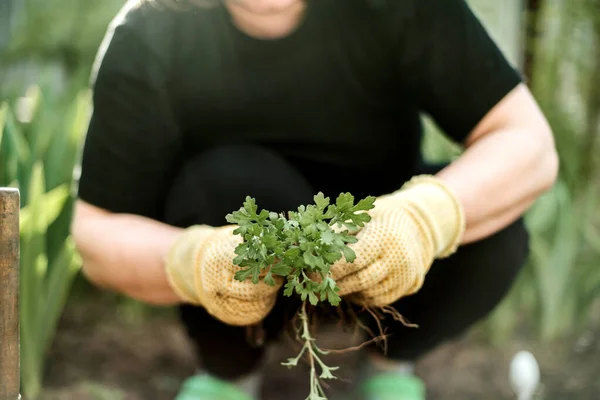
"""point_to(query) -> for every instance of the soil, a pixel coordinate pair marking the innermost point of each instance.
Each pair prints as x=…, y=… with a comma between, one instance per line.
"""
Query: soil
x=107, y=351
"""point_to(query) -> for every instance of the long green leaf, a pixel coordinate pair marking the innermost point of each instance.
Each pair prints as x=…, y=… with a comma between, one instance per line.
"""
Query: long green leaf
x=3, y=114
x=593, y=237
x=555, y=262
x=64, y=147
x=18, y=142
x=33, y=269
x=542, y=215
x=61, y=159
x=3, y=157
x=63, y=270
x=16, y=154
x=53, y=203
x=39, y=130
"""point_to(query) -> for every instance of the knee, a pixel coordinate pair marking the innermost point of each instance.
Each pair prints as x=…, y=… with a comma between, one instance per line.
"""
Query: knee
x=503, y=254
x=214, y=183
x=512, y=241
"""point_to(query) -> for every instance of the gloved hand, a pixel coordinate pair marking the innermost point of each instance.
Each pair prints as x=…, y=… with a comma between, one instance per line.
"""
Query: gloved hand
x=408, y=230
x=200, y=270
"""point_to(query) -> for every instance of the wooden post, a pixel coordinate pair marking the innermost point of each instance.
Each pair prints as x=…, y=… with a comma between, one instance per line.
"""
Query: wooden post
x=9, y=294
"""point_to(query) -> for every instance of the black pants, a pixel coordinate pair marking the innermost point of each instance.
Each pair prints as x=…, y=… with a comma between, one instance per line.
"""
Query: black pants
x=458, y=291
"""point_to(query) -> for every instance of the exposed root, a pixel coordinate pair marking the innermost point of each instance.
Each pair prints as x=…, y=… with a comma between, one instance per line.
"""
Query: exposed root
x=358, y=324
x=397, y=316
x=380, y=327
x=355, y=348
x=313, y=352
x=303, y=325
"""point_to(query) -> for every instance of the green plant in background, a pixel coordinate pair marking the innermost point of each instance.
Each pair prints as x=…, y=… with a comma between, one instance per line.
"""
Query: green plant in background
x=566, y=245
x=39, y=143
x=558, y=288
x=57, y=38
x=36, y=32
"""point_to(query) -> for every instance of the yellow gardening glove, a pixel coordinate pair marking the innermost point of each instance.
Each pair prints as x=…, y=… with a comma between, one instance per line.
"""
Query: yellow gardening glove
x=200, y=270
x=408, y=230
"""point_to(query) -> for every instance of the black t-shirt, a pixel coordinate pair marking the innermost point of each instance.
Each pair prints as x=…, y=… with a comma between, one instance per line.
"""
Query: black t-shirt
x=344, y=90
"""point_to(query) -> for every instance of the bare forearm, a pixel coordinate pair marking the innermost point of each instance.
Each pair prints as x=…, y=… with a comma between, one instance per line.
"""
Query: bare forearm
x=126, y=253
x=499, y=177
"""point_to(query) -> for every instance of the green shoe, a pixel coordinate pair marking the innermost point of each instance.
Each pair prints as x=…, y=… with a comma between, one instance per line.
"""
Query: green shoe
x=392, y=387
x=204, y=387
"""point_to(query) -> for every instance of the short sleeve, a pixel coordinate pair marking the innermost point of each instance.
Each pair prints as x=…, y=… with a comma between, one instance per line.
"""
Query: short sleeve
x=133, y=143
x=451, y=65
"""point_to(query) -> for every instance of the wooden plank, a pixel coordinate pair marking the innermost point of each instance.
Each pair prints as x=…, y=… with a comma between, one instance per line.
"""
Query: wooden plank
x=9, y=294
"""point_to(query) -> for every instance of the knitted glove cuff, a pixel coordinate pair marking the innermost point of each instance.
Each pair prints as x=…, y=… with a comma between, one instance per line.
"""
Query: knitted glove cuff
x=181, y=261
x=437, y=204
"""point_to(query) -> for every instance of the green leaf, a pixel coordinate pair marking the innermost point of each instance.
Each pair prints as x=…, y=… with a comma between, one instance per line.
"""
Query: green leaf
x=327, y=237
x=360, y=219
x=289, y=288
x=329, y=283
x=3, y=113
x=349, y=254
x=270, y=240
x=239, y=259
x=333, y=297
x=348, y=238
x=332, y=257
x=262, y=216
x=63, y=151
x=250, y=206
x=268, y=279
x=321, y=201
x=281, y=269
x=231, y=218
x=303, y=294
x=63, y=270
x=310, y=259
x=292, y=252
x=33, y=270
x=344, y=202
x=312, y=298
x=16, y=139
x=365, y=204
x=243, y=274
x=240, y=217
x=53, y=203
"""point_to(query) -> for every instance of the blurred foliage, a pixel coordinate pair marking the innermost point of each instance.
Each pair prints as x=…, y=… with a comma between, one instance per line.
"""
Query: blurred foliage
x=41, y=132
x=65, y=30
x=566, y=247
x=51, y=43
x=555, y=293
x=563, y=281
x=39, y=142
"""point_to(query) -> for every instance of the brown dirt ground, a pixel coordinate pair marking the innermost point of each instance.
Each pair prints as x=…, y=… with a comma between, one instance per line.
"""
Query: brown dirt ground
x=107, y=352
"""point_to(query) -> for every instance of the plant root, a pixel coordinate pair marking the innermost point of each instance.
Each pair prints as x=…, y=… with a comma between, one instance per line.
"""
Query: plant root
x=355, y=348
x=397, y=316
x=313, y=352
x=303, y=325
x=378, y=318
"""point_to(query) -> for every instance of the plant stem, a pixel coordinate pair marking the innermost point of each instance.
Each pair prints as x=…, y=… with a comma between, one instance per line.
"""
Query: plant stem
x=316, y=389
x=315, y=385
